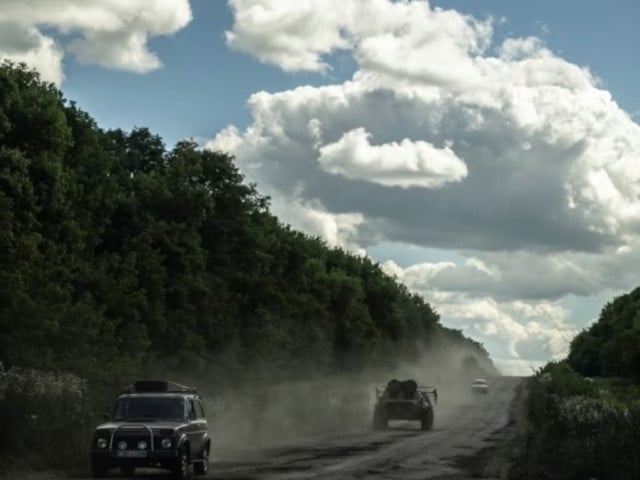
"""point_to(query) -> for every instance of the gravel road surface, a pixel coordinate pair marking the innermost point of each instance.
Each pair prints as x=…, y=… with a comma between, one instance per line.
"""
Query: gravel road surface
x=463, y=434
x=467, y=442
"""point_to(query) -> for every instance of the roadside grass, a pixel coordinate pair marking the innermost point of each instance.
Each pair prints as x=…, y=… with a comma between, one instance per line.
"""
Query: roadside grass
x=618, y=391
x=580, y=428
x=46, y=421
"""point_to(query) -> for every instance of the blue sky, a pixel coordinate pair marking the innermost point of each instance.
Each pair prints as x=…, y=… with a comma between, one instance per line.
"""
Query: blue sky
x=204, y=85
x=461, y=144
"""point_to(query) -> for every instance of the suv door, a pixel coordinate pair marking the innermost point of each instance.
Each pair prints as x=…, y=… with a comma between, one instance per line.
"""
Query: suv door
x=197, y=428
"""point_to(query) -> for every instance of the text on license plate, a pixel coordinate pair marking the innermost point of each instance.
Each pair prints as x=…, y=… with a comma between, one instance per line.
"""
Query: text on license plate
x=132, y=453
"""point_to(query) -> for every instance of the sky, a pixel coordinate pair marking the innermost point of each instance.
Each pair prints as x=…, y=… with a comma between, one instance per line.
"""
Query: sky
x=487, y=154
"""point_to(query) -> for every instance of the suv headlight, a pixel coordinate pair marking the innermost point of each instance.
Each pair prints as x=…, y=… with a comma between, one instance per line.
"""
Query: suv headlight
x=101, y=443
x=166, y=443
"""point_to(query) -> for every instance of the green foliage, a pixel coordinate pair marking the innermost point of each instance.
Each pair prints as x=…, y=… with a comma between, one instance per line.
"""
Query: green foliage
x=118, y=252
x=120, y=257
x=575, y=431
x=562, y=380
x=611, y=346
x=589, y=427
x=618, y=391
x=39, y=410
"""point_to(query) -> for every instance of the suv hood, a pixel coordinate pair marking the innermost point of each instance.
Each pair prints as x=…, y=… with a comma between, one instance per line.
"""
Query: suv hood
x=153, y=424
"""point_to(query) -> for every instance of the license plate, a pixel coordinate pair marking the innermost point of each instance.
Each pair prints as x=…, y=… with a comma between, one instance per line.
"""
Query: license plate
x=132, y=453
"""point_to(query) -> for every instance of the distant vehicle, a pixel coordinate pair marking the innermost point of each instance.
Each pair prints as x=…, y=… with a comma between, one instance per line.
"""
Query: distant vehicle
x=480, y=385
x=404, y=401
x=154, y=424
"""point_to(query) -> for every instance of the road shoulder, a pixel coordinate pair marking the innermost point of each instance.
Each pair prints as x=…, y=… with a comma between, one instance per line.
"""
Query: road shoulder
x=503, y=446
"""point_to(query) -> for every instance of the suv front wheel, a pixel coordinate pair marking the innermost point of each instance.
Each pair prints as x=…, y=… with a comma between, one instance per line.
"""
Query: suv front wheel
x=99, y=469
x=181, y=467
x=201, y=467
x=127, y=471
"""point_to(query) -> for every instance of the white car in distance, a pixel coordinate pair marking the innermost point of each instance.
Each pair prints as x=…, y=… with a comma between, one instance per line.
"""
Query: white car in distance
x=479, y=385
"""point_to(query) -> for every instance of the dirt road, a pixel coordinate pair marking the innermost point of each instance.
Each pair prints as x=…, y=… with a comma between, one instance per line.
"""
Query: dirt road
x=461, y=446
x=464, y=431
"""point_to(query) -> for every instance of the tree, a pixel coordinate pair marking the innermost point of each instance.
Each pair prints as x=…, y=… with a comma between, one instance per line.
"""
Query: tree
x=117, y=255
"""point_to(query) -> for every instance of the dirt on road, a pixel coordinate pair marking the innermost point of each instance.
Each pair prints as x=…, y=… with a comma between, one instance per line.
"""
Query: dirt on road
x=469, y=440
x=474, y=436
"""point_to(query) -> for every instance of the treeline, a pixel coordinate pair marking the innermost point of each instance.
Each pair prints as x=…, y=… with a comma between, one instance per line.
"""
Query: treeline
x=584, y=412
x=117, y=254
x=611, y=346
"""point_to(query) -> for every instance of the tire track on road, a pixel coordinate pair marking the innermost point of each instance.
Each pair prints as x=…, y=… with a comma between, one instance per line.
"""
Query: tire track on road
x=398, y=453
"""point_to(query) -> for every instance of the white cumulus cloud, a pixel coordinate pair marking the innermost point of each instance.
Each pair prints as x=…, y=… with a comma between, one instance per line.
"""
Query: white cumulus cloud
x=289, y=33
x=110, y=33
x=504, y=152
x=515, y=331
x=403, y=164
x=550, y=160
x=297, y=35
x=29, y=46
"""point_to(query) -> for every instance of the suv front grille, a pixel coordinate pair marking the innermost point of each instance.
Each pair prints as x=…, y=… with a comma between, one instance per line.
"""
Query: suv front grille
x=132, y=435
x=132, y=441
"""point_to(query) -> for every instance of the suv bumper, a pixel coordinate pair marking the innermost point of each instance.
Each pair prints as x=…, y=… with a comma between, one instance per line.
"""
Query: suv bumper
x=152, y=458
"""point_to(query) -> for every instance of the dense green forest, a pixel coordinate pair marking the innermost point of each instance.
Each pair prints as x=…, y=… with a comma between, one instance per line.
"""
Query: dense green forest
x=611, y=346
x=117, y=254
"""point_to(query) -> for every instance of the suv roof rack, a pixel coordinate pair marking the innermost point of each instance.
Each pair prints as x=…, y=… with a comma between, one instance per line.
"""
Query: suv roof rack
x=159, y=386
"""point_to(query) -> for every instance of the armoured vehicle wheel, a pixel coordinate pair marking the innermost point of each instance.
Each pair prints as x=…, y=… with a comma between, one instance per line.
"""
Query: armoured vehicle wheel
x=380, y=421
x=202, y=467
x=181, y=467
x=426, y=422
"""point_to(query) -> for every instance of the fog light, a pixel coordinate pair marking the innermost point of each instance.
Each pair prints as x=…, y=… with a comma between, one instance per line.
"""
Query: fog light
x=166, y=443
x=101, y=443
x=122, y=445
x=142, y=445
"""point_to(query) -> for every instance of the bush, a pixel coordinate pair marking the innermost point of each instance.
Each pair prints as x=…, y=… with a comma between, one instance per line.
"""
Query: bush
x=564, y=381
x=576, y=434
x=45, y=418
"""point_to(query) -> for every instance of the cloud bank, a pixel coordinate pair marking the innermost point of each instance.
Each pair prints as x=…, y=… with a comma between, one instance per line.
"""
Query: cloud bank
x=505, y=153
x=109, y=33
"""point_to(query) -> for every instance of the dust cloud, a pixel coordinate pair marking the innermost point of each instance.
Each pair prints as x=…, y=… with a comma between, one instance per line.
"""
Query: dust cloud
x=262, y=414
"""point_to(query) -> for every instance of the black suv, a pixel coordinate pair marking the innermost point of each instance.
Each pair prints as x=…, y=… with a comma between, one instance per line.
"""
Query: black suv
x=154, y=424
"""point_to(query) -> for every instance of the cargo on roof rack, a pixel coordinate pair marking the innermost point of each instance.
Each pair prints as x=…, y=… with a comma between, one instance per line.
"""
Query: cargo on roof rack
x=159, y=386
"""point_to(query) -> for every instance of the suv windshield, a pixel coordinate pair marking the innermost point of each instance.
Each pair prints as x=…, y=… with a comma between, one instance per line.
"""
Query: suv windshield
x=149, y=408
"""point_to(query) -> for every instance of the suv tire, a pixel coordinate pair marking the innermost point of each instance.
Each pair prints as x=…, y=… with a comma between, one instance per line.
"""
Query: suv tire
x=202, y=467
x=99, y=469
x=181, y=467
x=127, y=471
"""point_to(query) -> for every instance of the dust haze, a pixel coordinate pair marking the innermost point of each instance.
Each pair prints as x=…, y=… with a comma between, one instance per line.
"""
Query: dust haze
x=262, y=414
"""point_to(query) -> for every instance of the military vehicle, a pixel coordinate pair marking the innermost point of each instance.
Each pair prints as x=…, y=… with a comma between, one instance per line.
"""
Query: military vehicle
x=404, y=400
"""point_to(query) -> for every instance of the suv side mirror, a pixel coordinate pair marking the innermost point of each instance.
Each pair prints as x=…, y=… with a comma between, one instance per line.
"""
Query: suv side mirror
x=192, y=415
x=106, y=416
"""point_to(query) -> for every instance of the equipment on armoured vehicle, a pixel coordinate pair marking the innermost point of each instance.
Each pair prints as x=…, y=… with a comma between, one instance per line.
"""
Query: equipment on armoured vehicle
x=404, y=401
